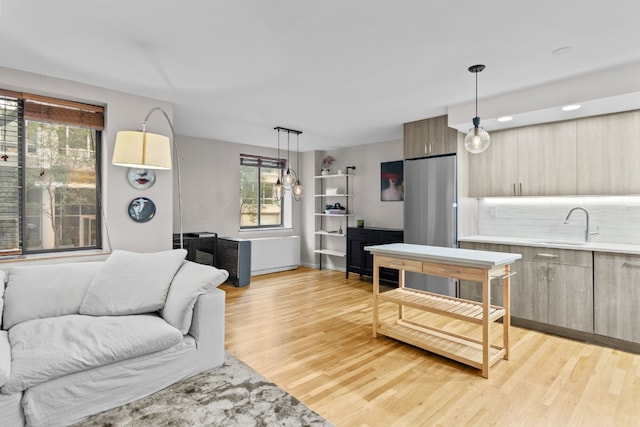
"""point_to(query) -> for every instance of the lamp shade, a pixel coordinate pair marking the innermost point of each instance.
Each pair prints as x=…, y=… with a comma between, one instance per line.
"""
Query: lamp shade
x=142, y=150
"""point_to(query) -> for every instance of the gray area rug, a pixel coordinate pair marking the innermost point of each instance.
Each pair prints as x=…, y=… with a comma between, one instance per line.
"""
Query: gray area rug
x=231, y=395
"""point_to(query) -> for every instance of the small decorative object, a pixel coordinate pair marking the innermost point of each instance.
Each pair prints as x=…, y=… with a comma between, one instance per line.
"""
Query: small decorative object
x=142, y=209
x=361, y=223
x=141, y=179
x=335, y=209
x=326, y=164
x=391, y=181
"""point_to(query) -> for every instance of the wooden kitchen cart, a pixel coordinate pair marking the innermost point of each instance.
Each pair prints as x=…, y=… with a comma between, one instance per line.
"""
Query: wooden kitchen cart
x=461, y=264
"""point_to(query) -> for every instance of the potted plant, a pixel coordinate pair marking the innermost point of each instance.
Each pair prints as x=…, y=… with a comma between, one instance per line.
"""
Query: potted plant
x=326, y=163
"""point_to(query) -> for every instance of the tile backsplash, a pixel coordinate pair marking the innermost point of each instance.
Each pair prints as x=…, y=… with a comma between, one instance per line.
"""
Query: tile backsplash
x=615, y=218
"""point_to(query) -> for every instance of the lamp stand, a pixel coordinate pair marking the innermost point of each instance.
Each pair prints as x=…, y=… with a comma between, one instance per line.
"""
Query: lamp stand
x=175, y=154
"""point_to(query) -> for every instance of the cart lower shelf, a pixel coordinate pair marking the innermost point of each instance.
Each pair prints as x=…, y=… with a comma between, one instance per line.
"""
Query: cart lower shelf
x=461, y=349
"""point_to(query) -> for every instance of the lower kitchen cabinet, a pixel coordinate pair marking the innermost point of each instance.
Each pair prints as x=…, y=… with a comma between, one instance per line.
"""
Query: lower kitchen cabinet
x=617, y=296
x=551, y=286
x=471, y=291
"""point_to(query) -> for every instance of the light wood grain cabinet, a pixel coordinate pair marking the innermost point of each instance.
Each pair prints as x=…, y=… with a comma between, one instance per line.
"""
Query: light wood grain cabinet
x=530, y=161
x=607, y=154
x=429, y=137
x=617, y=296
x=556, y=288
x=551, y=286
x=471, y=291
x=494, y=172
x=547, y=159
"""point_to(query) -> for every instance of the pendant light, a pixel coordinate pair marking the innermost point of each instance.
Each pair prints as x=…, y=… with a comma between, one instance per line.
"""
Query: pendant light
x=298, y=189
x=289, y=178
x=278, y=189
x=289, y=181
x=477, y=140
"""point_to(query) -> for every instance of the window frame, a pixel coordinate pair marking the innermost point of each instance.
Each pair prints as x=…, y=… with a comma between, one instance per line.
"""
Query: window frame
x=58, y=112
x=247, y=160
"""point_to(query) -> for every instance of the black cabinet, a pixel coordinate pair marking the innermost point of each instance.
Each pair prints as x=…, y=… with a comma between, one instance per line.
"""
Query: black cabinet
x=201, y=247
x=360, y=261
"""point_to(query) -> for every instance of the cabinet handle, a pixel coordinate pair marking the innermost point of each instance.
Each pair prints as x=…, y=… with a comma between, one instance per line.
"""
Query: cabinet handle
x=547, y=256
x=631, y=265
x=514, y=189
x=396, y=263
x=425, y=148
x=521, y=189
x=430, y=148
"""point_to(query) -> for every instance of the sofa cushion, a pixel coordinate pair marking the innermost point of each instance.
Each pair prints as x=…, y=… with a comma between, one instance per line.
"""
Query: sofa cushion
x=132, y=283
x=5, y=357
x=39, y=291
x=191, y=281
x=43, y=349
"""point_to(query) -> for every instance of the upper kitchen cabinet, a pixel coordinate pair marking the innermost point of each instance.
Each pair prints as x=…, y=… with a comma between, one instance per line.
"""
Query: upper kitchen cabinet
x=547, y=159
x=429, y=137
x=607, y=152
x=494, y=172
x=530, y=161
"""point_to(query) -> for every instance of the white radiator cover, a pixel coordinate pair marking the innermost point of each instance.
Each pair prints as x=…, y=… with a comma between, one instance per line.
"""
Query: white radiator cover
x=271, y=254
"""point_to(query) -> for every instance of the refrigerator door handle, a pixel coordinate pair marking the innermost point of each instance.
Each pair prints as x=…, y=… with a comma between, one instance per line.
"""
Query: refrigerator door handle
x=454, y=237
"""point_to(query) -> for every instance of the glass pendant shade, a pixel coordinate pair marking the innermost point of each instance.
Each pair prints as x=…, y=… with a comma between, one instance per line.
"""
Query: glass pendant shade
x=298, y=191
x=477, y=140
x=278, y=190
x=289, y=179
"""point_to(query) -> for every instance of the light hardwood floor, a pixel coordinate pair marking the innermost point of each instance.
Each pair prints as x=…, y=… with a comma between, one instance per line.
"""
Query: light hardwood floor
x=309, y=331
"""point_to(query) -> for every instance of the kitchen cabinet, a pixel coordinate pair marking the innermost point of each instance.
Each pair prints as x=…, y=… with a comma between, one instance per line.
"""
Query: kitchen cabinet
x=494, y=172
x=607, y=153
x=471, y=291
x=547, y=159
x=429, y=137
x=556, y=287
x=617, y=296
x=529, y=161
x=551, y=286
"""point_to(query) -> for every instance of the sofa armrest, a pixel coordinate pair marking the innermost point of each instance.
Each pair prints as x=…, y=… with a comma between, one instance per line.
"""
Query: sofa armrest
x=5, y=357
x=207, y=327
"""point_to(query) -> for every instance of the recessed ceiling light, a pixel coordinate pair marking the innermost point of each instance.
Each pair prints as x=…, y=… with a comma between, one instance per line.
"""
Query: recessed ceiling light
x=505, y=119
x=571, y=107
x=562, y=50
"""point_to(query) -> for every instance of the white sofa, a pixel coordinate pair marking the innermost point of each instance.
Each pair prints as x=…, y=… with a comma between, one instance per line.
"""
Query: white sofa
x=81, y=338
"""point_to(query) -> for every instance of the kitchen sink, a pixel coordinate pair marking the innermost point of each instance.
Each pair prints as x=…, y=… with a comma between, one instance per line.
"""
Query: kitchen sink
x=561, y=242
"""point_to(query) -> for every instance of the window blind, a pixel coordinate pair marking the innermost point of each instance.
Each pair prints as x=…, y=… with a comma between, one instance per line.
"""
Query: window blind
x=11, y=130
x=262, y=161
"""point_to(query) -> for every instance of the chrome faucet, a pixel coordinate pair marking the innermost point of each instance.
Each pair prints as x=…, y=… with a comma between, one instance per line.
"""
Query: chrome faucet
x=587, y=233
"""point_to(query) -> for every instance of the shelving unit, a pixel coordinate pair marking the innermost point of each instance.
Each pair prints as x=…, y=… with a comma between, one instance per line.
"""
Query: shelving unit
x=331, y=229
x=473, y=266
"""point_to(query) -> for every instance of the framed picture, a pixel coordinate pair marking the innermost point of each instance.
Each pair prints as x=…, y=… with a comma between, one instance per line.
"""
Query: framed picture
x=391, y=181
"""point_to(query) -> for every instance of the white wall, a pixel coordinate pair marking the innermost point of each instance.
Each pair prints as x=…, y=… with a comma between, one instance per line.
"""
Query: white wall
x=211, y=188
x=122, y=112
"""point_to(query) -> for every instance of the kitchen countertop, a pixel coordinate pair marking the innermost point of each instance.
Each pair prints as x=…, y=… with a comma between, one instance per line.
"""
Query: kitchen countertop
x=556, y=243
x=452, y=256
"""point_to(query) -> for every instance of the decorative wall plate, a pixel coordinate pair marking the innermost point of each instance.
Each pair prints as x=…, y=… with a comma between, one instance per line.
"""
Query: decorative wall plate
x=141, y=178
x=142, y=209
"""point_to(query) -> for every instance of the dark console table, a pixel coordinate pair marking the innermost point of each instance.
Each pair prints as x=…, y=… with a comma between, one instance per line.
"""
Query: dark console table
x=360, y=261
x=201, y=247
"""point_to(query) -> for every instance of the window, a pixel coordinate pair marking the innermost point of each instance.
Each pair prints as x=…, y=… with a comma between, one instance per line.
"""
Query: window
x=49, y=175
x=258, y=207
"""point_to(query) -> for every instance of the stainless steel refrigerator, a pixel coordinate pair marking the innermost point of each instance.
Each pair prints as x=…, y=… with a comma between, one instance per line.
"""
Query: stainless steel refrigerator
x=430, y=214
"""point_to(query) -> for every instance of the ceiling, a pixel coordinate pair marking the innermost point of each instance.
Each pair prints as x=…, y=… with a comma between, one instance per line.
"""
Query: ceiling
x=344, y=72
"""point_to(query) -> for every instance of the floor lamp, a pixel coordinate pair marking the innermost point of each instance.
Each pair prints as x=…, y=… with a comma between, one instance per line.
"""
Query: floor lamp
x=135, y=149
